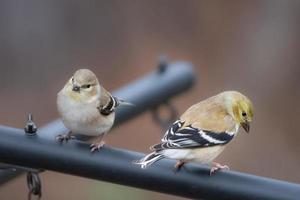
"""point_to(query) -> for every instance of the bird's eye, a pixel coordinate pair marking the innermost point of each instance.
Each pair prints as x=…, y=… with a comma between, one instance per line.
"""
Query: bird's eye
x=244, y=114
x=86, y=86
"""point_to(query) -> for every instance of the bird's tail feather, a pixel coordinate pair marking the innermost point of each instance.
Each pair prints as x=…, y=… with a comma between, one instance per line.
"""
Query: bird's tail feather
x=149, y=159
x=124, y=103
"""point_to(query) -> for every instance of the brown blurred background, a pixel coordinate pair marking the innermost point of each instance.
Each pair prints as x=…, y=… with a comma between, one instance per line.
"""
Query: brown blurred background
x=250, y=46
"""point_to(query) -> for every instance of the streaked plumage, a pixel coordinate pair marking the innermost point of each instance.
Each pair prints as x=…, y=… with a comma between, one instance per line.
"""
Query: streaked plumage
x=86, y=107
x=203, y=131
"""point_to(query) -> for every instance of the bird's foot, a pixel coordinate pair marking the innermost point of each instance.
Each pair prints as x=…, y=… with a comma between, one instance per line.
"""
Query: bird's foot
x=178, y=166
x=216, y=167
x=65, y=137
x=97, y=146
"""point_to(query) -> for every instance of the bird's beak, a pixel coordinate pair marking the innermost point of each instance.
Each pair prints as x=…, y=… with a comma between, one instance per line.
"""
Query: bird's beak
x=246, y=126
x=76, y=88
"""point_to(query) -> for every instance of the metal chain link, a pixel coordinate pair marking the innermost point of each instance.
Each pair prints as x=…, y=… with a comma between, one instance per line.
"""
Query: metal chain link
x=34, y=185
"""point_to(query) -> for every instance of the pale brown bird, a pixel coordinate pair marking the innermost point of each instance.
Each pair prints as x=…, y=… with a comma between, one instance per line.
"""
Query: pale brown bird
x=86, y=108
x=203, y=131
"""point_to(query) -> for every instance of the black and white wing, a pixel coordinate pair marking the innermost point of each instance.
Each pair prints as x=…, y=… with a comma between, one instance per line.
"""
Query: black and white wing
x=178, y=137
x=111, y=105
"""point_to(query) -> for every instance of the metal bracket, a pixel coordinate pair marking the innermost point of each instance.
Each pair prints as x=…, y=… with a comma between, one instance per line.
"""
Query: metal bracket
x=164, y=122
x=33, y=180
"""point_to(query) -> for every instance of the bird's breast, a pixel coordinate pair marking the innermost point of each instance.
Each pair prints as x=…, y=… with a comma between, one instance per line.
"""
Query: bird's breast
x=83, y=118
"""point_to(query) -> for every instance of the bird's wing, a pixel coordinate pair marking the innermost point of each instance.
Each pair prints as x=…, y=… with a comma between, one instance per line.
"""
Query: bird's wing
x=207, y=123
x=179, y=136
x=107, y=103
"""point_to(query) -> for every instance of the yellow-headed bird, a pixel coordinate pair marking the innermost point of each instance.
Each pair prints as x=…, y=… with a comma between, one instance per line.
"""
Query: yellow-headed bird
x=203, y=131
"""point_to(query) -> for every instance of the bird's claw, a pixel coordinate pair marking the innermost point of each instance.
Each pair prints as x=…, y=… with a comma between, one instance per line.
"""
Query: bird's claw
x=216, y=167
x=65, y=137
x=178, y=166
x=96, y=146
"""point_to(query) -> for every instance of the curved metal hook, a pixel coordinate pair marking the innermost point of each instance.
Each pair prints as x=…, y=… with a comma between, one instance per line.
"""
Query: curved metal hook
x=167, y=121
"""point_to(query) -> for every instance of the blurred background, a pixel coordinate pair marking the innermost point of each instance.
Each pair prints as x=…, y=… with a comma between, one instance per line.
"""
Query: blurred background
x=249, y=46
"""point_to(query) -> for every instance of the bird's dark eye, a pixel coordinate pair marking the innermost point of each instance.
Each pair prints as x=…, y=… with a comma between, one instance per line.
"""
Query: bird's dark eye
x=244, y=114
x=86, y=86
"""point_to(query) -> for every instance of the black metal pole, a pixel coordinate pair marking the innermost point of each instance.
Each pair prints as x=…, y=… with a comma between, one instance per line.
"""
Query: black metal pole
x=115, y=165
x=146, y=93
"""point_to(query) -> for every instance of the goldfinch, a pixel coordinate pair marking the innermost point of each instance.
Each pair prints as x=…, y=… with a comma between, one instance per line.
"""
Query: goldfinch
x=203, y=131
x=86, y=107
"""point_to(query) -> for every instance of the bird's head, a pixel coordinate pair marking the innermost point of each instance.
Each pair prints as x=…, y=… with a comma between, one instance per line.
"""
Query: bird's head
x=241, y=109
x=83, y=86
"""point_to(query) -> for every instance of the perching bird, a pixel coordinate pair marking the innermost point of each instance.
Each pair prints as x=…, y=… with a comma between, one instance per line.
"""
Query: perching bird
x=203, y=131
x=86, y=107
